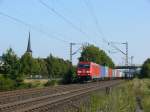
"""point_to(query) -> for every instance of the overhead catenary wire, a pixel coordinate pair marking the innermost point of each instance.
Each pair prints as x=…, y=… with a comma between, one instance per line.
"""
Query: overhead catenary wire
x=76, y=18
x=50, y=9
x=33, y=27
x=91, y=11
x=111, y=44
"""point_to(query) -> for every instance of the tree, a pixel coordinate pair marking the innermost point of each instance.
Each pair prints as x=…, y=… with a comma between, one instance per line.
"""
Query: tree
x=11, y=65
x=56, y=67
x=94, y=54
x=70, y=76
x=145, y=71
x=29, y=66
x=42, y=67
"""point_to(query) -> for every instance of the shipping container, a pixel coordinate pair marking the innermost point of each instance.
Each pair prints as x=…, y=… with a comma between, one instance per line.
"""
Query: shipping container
x=110, y=72
x=94, y=70
x=121, y=74
x=100, y=71
x=106, y=72
x=103, y=71
x=117, y=73
x=113, y=75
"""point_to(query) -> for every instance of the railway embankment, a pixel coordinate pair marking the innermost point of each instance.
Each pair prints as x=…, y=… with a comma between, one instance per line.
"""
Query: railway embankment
x=132, y=96
x=57, y=99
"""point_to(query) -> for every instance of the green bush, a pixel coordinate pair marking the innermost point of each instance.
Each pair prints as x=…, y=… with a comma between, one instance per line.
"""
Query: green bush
x=145, y=72
x=52, y=83
x=70, y=76
x=6, y=84
x=25, y=86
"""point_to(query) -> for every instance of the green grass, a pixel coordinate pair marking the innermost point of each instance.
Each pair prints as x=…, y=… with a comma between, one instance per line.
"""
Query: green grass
x=118, y=101
x=121, y=99
x=145, y=94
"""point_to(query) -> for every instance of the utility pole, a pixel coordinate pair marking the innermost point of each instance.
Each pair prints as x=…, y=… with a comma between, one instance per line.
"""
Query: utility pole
x=127, y=61
x=74, y=52
x=125, y=53
x=71, y=45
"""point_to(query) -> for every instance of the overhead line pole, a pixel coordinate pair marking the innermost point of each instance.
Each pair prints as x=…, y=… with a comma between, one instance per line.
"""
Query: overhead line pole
x=71, y=45
x=125, y=53
x=127, y=62
x=75, y=52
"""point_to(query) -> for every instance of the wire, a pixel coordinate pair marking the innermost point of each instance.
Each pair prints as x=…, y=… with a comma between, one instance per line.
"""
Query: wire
x=63, y=17
x=30, y=26
x=77, y=51
x=111, y=44
x=118, y=49
x=91, y=11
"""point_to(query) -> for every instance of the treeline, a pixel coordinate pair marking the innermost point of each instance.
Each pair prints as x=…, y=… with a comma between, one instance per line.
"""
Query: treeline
x=16, y=69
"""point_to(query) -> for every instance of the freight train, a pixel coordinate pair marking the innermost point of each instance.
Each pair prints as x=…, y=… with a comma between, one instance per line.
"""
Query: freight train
x=92, y=71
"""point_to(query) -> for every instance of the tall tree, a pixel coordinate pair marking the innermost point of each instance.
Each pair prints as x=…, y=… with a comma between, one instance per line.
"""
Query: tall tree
x=29, y=66
x=56, y=67
x=94, y=54
x=42, y=67
x=11, y=64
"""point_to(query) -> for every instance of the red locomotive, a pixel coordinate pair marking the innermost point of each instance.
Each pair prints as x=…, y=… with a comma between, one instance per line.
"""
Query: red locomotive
x=89, y=71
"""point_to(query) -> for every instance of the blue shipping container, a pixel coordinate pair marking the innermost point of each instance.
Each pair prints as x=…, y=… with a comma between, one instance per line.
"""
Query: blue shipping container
x=103, y=71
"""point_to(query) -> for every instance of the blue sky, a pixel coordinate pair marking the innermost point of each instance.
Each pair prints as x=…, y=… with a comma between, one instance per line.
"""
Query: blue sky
x=119, y=21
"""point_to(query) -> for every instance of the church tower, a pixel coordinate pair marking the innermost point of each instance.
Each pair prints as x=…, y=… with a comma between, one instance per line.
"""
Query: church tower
x=29, y=46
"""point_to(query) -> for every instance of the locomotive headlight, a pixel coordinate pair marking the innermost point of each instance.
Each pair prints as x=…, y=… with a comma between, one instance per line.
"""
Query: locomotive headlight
x=87, y=71
x=79, y=71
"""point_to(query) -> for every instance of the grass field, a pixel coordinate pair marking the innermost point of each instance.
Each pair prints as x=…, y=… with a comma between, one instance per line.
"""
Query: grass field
x=43, y=81
x=121, y=98
x=36, y=82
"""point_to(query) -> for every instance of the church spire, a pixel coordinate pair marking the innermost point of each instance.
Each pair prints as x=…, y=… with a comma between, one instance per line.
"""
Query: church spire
x=29, y=45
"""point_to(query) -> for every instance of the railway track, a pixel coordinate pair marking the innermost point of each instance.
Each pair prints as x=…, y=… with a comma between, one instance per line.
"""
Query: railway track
x=46, y=101
x=19, y=95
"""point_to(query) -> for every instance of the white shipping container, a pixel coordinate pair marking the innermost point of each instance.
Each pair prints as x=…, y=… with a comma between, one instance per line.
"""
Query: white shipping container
x=113, y=75
x=106, y=72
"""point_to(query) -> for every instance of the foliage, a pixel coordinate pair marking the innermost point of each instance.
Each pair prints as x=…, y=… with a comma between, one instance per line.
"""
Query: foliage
x=94, y=54
x=70, y=76
x=6, y=84
x=56, y=67
x=11, y=65
x=29, y=66
x=143, y=89
x=16, y=69
x=120, y=99
x=53, y=82
x=25, y=86
x=145, y=72
x=42, y=67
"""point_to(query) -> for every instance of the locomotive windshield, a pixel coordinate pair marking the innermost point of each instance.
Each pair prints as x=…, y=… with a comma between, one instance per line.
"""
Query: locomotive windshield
x=84, y=66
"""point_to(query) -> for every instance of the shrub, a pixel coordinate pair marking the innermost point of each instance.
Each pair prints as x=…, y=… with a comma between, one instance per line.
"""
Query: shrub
x=52, y=83
x=6, y=84
x=70, y=76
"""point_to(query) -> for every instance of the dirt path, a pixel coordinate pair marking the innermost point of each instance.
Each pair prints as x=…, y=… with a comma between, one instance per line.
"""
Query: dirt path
x=139, y=107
